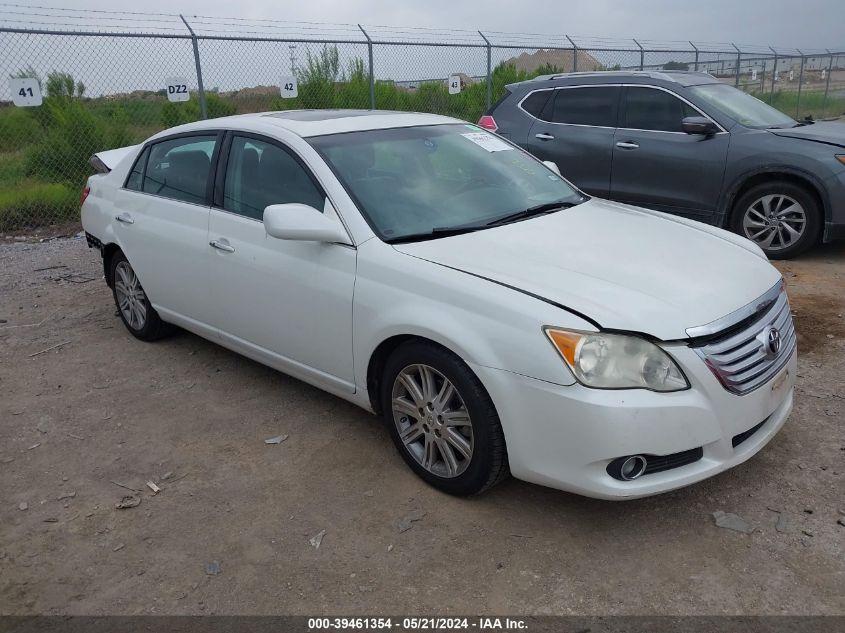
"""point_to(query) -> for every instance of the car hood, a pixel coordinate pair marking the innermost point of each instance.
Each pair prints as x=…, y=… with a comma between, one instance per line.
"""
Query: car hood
x=623, y=267
x=825, y=132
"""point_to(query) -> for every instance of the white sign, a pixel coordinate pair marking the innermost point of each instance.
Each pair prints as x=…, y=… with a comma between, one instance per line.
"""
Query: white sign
x=824, y=73
x=288, y=87
x=487, y=141
x=754, y=75
x=177, y=89
x=454, y=84
x=791, y=75
x=26, y=91
x=777, y=75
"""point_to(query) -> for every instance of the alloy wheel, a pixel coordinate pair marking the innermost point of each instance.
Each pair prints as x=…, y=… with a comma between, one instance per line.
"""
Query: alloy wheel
x=131, y=300
x=432, y=420
x=774, y=222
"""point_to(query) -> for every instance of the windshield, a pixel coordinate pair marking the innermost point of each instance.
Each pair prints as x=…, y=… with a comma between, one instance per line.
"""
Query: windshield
x=430, y=180
x=743, y=108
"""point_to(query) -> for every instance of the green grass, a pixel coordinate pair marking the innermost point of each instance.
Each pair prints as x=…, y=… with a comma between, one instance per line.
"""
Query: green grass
x=32, y=203
x=811, y=104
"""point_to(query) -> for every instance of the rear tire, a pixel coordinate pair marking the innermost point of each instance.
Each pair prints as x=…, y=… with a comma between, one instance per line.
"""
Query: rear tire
x=133, y=306
x=782, y=218
x=442, y=420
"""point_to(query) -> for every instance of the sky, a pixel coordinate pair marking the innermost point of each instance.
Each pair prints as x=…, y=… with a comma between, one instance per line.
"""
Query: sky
x=787, y=23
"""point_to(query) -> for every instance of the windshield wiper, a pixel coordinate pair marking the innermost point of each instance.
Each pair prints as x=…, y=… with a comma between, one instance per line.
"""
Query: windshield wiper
x=438, y=231
x=540, y=209
x=446, y=231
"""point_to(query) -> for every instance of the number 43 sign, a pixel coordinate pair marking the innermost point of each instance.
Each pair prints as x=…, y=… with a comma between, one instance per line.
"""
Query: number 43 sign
x=26, y=91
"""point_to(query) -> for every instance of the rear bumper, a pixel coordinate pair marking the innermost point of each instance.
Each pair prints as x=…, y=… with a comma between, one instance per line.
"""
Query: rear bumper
x=566, y=436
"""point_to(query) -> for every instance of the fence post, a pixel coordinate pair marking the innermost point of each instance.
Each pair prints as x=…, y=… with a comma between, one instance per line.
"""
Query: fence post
x=695, y=48
x=372, y=75
x=827, y=84
x=574, y=54
x=774, y=76
x=642, y=54
x=203, y=111
x=489, y=99
x=800, y=83
x=738, y=64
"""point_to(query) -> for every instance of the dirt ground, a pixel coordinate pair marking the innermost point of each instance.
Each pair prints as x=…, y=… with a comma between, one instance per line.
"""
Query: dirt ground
x=101, y=411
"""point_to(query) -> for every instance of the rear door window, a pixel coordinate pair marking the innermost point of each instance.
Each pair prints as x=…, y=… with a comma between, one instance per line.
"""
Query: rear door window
x=653, y=109
x=596, y=106
x=178, y=168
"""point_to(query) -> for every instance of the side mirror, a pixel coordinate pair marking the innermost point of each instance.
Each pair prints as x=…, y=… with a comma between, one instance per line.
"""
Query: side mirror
x=699, y=125
x=301, y=222
x=553, y=166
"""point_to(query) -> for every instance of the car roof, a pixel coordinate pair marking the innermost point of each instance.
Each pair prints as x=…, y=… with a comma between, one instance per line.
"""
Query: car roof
x=307, y=123
x=681, y=77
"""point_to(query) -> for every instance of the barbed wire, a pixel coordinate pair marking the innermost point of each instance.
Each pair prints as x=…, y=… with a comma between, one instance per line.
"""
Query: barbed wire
x=44, y=17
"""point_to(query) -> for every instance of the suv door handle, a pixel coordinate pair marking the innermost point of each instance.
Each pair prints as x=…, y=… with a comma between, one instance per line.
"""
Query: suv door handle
x=125, y=218
x=222, y=246
x=543, y=136
x=627, y=145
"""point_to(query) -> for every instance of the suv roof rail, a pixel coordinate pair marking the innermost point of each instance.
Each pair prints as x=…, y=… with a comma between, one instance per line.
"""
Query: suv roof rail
x=666, y=75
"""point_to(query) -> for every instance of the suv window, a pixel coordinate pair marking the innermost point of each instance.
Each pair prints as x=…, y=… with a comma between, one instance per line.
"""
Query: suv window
x=179, y=168
x=597, y=106
x=535, y=102
x=259, y=174
x=653, y=109
x=134, y=180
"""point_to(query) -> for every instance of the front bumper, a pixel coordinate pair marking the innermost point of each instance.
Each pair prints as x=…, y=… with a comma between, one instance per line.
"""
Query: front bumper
x=565, y=436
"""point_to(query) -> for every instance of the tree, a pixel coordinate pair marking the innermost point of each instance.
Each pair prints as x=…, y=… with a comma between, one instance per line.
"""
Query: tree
x=27, y=73
x=673, y=65
x=62, y=85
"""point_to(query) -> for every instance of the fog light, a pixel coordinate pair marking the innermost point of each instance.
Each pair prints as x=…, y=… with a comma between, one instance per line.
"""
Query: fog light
x=633, y=467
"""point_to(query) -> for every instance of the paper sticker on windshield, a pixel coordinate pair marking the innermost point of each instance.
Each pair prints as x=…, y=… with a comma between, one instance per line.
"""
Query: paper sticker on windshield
x=487, y=141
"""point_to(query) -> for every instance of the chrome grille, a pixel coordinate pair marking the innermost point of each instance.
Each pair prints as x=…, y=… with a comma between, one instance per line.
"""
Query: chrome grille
x=742, y=360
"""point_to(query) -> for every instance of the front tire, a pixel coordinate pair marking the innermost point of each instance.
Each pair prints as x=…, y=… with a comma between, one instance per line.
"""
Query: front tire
x=442, y=420
x=782, y=218
x=133, y=306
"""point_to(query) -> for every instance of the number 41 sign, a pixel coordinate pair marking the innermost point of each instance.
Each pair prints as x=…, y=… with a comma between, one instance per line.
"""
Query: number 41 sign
x=26, y=91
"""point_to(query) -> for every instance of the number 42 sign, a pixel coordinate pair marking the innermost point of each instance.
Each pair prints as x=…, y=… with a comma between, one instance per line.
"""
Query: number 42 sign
x=26, y=91
x=288, y=87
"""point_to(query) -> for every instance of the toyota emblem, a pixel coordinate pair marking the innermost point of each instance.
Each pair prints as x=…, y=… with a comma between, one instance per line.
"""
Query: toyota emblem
x=773, y=341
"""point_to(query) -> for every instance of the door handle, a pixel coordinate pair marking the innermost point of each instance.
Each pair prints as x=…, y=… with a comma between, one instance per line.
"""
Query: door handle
x=627, y=145
x=125, y=218
x=222, y=246
x=543, y=136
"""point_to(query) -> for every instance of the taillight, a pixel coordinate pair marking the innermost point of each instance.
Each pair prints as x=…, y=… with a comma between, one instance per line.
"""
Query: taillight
x=488, y=123
x=84, y=195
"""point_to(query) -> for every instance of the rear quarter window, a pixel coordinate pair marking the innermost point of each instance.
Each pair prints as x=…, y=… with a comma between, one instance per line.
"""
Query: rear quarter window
x=534, y=103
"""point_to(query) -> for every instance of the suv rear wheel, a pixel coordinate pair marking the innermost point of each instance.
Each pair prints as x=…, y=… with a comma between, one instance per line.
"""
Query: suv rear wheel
x=782, y=218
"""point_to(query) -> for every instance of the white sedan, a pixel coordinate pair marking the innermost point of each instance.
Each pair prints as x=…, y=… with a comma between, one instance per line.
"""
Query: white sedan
x=500, y=320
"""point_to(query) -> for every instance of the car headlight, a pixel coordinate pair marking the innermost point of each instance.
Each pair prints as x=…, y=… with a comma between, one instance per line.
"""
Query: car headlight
x=617, y=361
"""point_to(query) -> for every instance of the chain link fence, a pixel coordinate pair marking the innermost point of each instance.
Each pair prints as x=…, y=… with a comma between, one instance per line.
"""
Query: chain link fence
x=137, y=74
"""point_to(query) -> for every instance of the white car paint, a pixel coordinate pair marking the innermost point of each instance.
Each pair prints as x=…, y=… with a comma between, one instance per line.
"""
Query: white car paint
x=318, y=311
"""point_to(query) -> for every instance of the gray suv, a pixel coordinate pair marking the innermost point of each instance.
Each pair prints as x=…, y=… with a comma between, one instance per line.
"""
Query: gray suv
x=685, y=143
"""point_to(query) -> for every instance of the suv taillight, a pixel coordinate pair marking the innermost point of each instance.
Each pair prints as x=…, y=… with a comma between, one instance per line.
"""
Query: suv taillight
x=488, y=123
x=84, y=195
